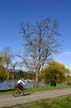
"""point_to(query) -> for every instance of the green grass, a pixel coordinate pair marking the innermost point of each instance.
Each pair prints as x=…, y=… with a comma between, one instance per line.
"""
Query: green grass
x=60, y=102
x=5, y=92
x=44, y=88
x=36, y=89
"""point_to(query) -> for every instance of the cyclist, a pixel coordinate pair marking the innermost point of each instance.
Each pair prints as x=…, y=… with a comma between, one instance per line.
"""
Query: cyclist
x=20, y=84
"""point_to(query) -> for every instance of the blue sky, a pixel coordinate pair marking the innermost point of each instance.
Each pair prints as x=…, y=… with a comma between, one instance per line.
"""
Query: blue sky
x=15, y=12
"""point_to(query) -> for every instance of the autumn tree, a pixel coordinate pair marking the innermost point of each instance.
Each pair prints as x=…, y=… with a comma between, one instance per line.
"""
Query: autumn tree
x=68, y=80
x=4, y=65
x=40, y=42
x=55, y=73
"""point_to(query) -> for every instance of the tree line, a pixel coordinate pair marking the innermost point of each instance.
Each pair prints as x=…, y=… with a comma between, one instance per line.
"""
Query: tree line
x=18, y=74
x=53, y=73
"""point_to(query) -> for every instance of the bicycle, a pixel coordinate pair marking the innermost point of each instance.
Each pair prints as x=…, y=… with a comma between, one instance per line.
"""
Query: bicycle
x=17, y=92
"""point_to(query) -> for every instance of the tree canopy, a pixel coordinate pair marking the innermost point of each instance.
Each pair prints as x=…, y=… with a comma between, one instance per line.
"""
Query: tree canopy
x=55, y=73
x=4, y=65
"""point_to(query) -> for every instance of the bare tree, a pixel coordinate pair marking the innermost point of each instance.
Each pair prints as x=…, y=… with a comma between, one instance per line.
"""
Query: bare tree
x=40, y=42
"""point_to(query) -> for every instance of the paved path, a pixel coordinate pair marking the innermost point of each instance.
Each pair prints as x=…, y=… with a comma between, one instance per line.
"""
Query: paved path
x=9, y=100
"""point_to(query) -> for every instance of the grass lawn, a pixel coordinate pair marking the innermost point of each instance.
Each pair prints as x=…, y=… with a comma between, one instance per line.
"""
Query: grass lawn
x=44, y=88
x=60, y=102
x=35, y=89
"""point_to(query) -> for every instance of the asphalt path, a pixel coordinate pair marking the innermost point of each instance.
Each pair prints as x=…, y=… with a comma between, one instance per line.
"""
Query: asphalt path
x=10, y=100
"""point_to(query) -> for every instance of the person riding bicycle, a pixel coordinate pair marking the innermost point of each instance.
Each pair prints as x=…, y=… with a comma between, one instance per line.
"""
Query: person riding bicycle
x=20, y=84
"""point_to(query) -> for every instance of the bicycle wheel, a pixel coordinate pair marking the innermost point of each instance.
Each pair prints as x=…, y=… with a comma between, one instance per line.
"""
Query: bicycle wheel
x=16, y=93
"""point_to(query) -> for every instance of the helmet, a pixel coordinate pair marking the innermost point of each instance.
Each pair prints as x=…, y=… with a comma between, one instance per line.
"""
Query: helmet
x=22, y=79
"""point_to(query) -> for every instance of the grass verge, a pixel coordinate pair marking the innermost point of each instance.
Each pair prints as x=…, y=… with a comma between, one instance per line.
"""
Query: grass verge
x=36, y=89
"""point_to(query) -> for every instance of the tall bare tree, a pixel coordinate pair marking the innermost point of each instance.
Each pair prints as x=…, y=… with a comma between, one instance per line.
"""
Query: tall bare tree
x=40, y=42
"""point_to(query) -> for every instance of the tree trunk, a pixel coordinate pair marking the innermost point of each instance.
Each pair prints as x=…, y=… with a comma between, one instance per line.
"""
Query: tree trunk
x=37, y=78
x=53, y=83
